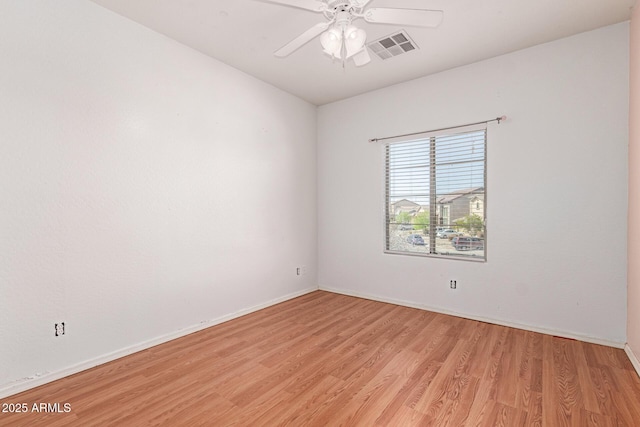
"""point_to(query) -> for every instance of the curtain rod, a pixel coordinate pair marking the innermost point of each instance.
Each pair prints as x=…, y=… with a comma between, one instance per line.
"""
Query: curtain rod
x=497, y=119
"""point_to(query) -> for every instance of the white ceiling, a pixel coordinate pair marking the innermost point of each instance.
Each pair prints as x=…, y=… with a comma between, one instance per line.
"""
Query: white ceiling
x=245, y=33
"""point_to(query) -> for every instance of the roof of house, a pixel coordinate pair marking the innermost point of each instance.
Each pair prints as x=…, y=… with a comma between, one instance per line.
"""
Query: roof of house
x=405, y=203
x=448, y=198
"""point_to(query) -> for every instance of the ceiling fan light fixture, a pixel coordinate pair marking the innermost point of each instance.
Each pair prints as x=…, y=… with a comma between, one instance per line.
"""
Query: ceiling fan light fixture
x=355, y=39
x=342, y=42
x=331, y=41
x=350, y=32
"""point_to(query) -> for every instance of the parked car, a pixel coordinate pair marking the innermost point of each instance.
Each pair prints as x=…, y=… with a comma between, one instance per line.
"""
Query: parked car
x=448, y=233
x=415, y=239
x=405, y=226
x=467, y=243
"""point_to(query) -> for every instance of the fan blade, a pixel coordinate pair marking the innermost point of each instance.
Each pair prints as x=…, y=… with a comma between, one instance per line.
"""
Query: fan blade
x=302, y=39
x=359, y=3
x=362, y=58
x=312, y=5
x=414, y=17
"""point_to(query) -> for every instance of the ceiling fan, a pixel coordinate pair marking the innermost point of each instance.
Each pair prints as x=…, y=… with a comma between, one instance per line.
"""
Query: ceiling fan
x=339, y=38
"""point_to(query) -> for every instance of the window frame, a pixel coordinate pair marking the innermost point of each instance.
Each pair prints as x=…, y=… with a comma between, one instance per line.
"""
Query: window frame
x=433, y=223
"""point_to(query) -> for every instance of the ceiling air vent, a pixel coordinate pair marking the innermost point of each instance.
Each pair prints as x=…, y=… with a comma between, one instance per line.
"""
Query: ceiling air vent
x=392, y=45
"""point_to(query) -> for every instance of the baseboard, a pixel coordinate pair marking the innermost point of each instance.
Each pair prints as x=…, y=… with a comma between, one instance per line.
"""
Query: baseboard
x=38, y=380
x=545, y=331
x=632, y=357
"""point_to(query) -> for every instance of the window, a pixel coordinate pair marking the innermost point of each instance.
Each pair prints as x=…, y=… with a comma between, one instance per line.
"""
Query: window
x=433, y=182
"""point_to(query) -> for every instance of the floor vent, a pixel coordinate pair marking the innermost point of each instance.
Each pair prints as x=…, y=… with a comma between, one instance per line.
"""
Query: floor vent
x=393, y=45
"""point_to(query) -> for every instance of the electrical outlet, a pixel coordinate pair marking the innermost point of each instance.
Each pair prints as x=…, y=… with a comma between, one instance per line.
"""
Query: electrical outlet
x=301, y=271
x=59, y=328
x=453, y=284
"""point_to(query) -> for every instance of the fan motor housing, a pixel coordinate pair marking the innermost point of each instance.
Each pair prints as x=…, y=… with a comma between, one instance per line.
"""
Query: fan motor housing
x=339, y=6
x=336, y=3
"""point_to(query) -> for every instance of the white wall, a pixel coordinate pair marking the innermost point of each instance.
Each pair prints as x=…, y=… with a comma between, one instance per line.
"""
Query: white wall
x=144, y=189
x=557, y=188
x=633, y=270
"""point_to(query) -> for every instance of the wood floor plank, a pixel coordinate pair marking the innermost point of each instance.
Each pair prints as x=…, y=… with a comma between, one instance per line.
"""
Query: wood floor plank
x=549, y=398
x=567, y=385
x=455, y=410
x=480, y=407
x=534, y=411
x=414, y=385
x=506, y=416
x=409, y=417
x=302, y=404
x=328, y=359
x=582, y=370
x=508, y=371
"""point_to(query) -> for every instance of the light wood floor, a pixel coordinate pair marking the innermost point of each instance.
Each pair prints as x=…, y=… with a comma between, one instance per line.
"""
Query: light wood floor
x=327, y=360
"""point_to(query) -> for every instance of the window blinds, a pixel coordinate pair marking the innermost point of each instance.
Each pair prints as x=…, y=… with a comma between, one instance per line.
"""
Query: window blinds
x=435, y=193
